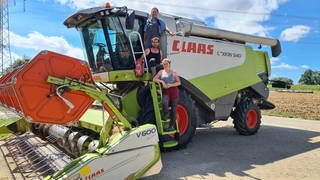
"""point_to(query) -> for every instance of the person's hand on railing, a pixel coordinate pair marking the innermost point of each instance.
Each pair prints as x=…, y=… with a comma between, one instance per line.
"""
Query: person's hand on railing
x=171, y=33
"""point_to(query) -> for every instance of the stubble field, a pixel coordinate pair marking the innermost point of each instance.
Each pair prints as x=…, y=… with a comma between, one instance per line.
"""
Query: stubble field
x=298, y=105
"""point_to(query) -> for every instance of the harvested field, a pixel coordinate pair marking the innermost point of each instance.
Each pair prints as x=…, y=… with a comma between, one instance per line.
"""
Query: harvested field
x=298, y=105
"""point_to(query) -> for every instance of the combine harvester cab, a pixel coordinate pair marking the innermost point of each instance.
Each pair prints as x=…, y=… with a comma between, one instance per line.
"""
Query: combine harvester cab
x=52, y=92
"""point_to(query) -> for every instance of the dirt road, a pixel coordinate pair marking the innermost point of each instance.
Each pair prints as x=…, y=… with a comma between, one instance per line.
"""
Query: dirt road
x=282, y=149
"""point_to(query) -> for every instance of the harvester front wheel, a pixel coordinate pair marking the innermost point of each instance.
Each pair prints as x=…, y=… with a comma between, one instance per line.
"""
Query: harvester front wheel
x=246, y=118
x=186, y=117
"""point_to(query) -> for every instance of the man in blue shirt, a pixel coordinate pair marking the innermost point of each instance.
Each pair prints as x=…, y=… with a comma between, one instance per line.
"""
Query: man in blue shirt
x=154, y=28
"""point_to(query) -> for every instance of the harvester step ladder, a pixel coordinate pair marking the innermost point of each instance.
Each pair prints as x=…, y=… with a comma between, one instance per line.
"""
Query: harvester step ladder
x=159, y=98
x=169, y=138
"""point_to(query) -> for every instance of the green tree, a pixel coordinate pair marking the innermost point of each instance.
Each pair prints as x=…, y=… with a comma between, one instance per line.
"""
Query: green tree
x=309, y=77
x=17, y=63
x=317, y=77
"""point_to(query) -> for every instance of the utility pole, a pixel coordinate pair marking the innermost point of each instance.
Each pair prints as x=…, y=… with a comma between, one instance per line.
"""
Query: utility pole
x=5, y=53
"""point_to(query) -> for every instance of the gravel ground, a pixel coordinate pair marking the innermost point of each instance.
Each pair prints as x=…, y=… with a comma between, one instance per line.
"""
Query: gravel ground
x=282, y=149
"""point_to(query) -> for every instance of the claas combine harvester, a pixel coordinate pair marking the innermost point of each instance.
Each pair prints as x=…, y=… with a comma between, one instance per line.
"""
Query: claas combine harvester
x=96, y=119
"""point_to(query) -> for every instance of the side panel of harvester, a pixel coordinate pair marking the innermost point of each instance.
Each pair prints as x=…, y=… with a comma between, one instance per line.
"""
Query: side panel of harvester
x=217, y=68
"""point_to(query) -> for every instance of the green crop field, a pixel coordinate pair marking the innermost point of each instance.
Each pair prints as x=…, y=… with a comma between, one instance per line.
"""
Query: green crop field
x=315, y=88
x=298, y=87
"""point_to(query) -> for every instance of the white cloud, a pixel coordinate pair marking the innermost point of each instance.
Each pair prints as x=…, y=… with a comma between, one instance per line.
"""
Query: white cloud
x=38, y=42
x=240, y=22
x=305, y=67
x=285, y=66
x=81, y=4
x=295, y=33
x=274, y=60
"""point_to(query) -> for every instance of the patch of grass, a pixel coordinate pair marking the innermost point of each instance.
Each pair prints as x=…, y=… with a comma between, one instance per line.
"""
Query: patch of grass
x=315, y=88
x=297, y=87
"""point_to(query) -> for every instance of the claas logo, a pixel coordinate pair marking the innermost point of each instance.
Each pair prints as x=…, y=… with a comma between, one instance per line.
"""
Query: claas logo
x=192, y=47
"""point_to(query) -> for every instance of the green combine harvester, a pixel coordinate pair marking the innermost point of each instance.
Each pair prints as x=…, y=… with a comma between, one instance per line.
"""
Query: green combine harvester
x=81, y=121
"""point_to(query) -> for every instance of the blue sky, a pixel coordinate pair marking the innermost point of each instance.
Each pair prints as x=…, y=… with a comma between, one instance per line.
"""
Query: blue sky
x=296, y=23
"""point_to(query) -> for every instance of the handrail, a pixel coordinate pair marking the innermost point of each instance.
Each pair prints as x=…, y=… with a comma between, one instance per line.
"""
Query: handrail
x=142, y=47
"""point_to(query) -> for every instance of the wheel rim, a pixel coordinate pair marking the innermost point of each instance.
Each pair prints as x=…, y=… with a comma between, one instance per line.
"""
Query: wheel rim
x=182, y=119
x=252, y=118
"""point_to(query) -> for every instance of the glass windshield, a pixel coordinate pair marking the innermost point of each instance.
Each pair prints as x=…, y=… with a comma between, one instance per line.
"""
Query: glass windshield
x=107, y=45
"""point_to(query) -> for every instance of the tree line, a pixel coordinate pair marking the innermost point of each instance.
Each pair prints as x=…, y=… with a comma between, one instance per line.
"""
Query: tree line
x=309, y=77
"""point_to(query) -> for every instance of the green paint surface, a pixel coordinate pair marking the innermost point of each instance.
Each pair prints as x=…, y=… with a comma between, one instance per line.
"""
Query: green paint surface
x=4, y=132
x=127, y=75
x=93, y=119
x=130, y=104
x=8, y=121
x=224, y=82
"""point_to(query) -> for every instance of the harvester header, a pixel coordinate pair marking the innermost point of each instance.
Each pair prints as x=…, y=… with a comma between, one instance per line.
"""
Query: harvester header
x=27, y=91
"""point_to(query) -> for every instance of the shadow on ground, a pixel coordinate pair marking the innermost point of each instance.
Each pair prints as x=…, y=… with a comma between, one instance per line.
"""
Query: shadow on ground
x=221, y=150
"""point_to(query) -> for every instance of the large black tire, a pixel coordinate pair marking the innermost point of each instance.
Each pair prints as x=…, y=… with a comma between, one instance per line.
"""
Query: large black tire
x=144, y=98
x=187, y=115
x=246, y=118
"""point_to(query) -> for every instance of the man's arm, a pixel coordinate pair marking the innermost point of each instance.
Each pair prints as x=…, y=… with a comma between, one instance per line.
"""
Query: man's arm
x=160, y=55
x=168, y=31
x=165, y=27
x=146, y=52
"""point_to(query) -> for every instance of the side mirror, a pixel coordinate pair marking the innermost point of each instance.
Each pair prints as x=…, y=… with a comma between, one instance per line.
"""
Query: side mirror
x=130, y=19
